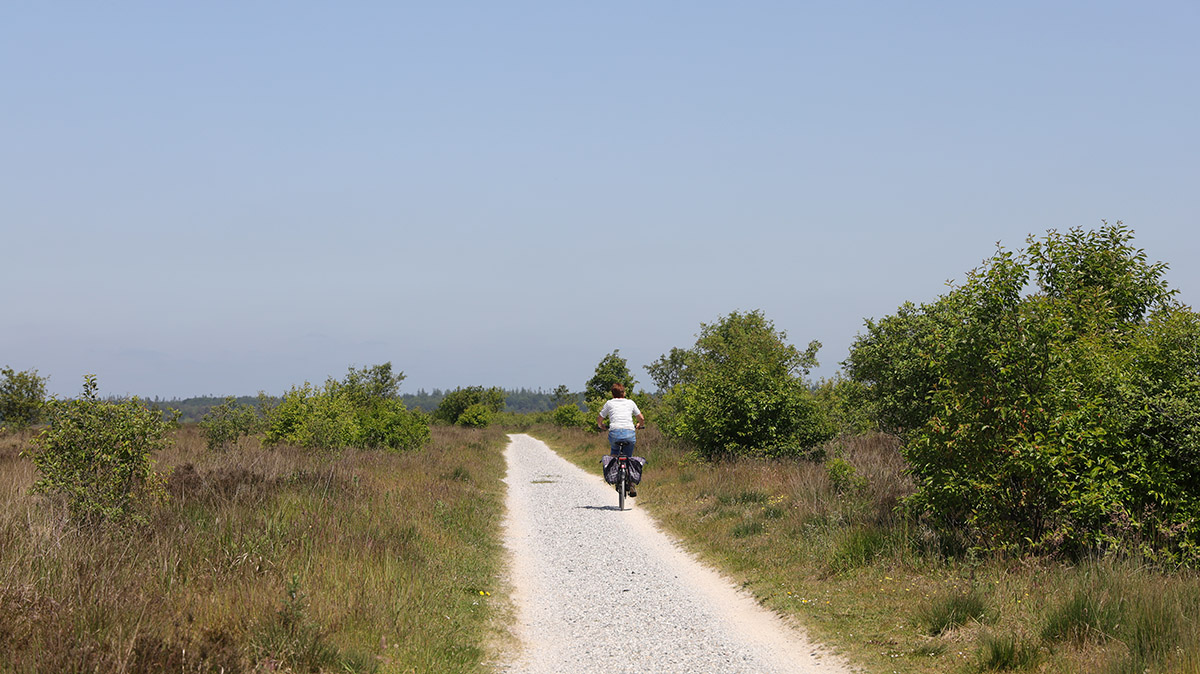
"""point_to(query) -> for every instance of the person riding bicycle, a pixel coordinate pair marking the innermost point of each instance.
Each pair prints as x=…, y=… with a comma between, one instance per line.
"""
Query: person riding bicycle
x=622, y=432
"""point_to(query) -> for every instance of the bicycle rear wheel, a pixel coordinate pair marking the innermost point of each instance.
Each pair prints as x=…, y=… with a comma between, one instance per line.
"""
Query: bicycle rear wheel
x=621, y=490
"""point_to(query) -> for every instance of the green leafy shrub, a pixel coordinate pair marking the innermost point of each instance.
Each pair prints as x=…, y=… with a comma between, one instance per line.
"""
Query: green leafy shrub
x=456, y=403
x=1051, y=401
x=741, y=391
x=570, y=416
x=475, y=416
x=363, y=410
x=317, y=418
x=847, y=404
x=893, y=362
x=843, y=477
x=22, y=397
x=387, y=424
x=226, y=424
x=96, y=454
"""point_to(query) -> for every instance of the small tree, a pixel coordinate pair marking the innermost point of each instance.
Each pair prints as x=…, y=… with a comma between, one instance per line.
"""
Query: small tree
x=667, y=371
x=846, y=403
x=1051, y=401
x=570, y=416
x=22, y=397
x=377, y=382
x=563, y=396
x=742, y=391
x=363, y=410
x=612, y=369
x=96, y=454
x=456, y=403
x=894, y=361
x=226, y=424
x=477, y=415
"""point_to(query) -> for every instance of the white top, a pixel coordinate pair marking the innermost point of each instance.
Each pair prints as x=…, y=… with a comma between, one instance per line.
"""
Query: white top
x=620, y=413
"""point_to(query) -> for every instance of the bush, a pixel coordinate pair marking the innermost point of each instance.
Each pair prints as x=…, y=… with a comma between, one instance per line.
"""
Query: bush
x=893, y=363
x=570, y=416
x=844, y=477
x=456, y=403
x=475, y=416
x=1051, y=401
x=847, y=405
x=313, y=418
x=387, y=424
x=226, y=424
x=22, y=397
x=742, y=392
x=361, y=411
x=96, y=454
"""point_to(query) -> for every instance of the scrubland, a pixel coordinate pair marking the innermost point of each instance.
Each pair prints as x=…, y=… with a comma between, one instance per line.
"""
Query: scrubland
x=283, y=559
x=263, y=559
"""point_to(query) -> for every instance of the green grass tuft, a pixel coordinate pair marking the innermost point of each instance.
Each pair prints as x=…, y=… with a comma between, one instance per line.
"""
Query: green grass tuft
x=1005, y=652
x=952, y=609
x=857, y=548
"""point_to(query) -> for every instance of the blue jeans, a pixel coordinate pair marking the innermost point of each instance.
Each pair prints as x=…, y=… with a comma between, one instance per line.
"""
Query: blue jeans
x=621, y=441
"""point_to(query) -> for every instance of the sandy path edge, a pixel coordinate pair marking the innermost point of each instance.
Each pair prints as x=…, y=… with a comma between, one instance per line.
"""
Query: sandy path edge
x=562, y=534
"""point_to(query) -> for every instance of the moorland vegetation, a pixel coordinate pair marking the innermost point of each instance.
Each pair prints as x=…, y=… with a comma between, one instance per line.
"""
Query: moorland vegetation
x=1005, y=478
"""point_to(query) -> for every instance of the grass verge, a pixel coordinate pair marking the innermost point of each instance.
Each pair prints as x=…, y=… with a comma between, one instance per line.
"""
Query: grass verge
x=822, y=542
x=264, y=560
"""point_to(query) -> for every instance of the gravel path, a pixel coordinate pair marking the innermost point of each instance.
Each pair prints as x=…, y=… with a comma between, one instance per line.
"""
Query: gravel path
x=601, y=590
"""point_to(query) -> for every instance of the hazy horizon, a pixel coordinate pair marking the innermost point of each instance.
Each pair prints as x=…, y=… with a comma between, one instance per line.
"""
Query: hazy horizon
x=226, y=198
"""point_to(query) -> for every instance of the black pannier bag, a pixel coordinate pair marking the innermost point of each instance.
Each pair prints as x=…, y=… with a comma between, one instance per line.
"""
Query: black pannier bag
x=610, y=464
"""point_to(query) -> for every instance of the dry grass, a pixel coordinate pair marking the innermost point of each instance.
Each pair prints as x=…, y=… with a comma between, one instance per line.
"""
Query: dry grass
x=823, y=542
x=263, y=560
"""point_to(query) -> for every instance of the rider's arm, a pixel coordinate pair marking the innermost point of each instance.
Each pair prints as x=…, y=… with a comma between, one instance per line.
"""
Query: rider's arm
x=600, y=421
x=641, y=421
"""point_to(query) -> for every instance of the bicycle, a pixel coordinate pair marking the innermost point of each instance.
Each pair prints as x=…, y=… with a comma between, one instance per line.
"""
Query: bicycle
x=622, y=480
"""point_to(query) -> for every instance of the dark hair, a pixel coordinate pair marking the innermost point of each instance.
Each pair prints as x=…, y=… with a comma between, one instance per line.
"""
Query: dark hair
x=618, y=390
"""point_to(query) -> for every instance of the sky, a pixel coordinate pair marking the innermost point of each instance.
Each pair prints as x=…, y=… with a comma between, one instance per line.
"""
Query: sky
x=231, y=197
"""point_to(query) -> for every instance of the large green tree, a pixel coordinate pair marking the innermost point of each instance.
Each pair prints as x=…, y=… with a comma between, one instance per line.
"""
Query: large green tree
x=1050, y=401
x=741, y=390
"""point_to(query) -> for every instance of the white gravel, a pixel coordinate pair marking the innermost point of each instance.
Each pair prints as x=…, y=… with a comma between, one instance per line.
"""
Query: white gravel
x=603, y=590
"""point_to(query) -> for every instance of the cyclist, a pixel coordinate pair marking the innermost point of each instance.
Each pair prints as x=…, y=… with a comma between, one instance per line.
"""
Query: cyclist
x=622, y=432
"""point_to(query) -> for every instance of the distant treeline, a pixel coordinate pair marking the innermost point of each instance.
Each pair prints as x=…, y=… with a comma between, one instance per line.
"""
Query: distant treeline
x=521, y=400
x=516, y=400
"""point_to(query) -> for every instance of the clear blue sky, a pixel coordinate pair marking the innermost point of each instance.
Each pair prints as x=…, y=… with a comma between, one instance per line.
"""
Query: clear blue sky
x=227, y=197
